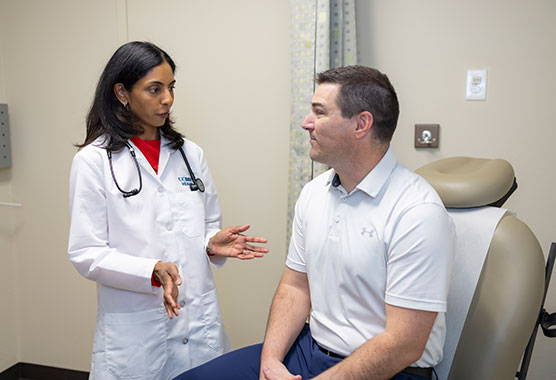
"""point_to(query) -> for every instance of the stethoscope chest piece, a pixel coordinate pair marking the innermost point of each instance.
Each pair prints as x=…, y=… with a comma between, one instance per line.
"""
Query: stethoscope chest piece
x=197, y=185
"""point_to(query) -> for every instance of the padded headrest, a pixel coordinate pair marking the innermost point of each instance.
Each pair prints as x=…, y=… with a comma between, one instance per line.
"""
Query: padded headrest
x=464, y=182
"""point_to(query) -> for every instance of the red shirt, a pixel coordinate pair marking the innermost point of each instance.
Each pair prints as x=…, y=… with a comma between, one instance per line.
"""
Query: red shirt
x=150, y=149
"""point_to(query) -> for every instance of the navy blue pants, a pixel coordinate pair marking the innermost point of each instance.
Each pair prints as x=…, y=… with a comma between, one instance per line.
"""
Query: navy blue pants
x=304, y=358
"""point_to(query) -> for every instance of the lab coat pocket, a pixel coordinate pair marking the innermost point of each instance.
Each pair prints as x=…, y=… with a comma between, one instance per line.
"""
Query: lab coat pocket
x=211, y=320
x=190, y=213
x=136, y=343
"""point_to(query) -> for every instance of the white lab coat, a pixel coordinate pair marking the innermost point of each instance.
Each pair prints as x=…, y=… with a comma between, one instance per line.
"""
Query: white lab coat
x=116, y=242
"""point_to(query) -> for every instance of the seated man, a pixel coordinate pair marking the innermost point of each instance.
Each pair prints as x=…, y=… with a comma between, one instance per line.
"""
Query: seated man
x=369, y=257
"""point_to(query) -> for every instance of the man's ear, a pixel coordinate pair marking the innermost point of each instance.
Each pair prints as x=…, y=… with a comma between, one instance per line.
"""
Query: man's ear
x=121, y=93
x=364, y=124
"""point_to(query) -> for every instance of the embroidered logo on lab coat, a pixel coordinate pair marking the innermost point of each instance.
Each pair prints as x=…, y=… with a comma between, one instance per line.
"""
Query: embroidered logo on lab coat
x=185, y=181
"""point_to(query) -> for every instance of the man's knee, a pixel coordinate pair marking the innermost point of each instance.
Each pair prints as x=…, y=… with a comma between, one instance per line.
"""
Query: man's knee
x=242, y=364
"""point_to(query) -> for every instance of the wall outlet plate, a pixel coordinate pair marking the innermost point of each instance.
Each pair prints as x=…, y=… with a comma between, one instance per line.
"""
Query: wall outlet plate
x=5, y=151
x=426, y=135
x=476, y=85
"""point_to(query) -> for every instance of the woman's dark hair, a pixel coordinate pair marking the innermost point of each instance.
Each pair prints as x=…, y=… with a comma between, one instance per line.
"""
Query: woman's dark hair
x=107, y=116
x=365, y=89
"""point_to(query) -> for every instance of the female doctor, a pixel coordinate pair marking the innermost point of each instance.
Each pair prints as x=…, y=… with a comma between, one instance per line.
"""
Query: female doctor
x=145, y=223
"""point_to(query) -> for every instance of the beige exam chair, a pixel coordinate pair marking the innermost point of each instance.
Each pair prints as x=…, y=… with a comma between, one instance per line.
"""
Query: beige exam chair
x=509, y=294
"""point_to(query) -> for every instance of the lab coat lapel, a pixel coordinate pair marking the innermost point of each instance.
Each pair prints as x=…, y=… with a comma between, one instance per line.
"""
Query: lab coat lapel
x=165, y=151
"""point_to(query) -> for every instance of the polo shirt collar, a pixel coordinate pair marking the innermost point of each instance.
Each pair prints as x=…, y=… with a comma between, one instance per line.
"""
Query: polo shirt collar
x=373, y=182
x=333, y=179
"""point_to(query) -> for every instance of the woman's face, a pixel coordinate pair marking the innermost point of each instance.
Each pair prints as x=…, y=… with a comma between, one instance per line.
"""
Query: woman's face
x=150, y=99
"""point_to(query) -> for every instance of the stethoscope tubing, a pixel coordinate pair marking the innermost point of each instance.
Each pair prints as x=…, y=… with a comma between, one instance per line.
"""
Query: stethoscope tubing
x=197, y=184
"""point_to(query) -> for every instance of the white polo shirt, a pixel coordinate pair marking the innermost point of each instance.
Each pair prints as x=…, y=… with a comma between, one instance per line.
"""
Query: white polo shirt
x=388, y=241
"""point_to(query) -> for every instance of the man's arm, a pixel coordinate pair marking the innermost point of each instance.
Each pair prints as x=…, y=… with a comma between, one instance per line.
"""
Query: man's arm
x=289, y=311
x=382, y=357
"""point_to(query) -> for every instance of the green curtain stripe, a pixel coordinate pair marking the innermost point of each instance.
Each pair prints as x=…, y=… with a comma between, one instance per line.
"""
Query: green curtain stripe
x=322, y=36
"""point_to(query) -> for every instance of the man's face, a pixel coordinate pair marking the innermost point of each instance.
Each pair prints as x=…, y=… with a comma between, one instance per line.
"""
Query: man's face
x=328, y=130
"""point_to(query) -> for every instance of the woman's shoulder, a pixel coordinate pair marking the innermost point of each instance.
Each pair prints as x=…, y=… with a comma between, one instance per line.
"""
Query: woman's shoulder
x=190, y=144
x=192, y=148
x=93, y=151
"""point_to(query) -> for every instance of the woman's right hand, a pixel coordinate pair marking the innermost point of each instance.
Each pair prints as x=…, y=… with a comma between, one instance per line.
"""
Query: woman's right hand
x=230, y=242
x=168, y=275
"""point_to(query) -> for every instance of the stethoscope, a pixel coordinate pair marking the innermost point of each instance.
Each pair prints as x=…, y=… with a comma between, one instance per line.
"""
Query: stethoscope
x=196, y=185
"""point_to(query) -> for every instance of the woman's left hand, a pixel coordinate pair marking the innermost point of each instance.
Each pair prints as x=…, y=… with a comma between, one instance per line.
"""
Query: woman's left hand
x=167, y=274
x=231, y=242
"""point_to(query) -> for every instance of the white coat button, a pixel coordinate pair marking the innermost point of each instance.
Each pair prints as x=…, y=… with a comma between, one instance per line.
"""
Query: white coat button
x=337, y=219
x=182, y=303
x=169, y=226
x=160, y=189
x=185, y=340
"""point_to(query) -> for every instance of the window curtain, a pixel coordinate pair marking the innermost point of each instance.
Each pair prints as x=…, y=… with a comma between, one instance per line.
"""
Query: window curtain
x=322, y=37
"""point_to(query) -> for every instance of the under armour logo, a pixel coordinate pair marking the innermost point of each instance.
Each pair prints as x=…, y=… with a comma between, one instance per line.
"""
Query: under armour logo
x=367, y=232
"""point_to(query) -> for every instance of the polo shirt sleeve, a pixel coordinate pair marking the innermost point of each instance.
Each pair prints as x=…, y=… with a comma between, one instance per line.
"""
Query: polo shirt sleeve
x=419, y=259
x=296, y=252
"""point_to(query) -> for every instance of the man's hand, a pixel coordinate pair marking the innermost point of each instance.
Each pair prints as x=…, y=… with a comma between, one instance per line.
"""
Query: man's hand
x=168, y=275
x=275, y=370
x=231, y=242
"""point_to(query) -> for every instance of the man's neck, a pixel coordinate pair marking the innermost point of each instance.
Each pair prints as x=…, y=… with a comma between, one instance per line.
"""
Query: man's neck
x=353, y=171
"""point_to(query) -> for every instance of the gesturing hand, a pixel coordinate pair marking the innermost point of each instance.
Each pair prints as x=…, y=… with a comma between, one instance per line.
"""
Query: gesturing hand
x=168, y=275
x=231, y=242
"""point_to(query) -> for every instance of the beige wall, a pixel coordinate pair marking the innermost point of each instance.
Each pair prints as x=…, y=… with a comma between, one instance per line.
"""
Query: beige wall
x=52, y=53
x=229, y=55
x=426, y=47
x=233, y=99
x=9, y=343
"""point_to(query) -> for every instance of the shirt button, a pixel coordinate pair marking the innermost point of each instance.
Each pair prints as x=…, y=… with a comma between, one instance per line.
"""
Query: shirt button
x=185, y=340
x=160, y=189
x=337, y=219
x=169, y=226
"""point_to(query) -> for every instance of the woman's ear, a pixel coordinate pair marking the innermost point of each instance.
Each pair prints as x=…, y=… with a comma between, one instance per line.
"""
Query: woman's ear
x=121, y=93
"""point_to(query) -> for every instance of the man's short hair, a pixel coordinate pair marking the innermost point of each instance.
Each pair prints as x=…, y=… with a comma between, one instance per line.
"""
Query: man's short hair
x=365, y=89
